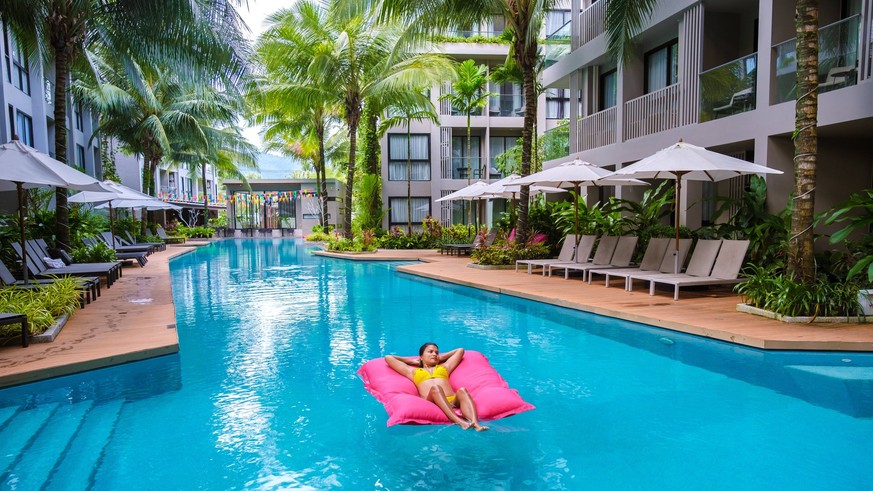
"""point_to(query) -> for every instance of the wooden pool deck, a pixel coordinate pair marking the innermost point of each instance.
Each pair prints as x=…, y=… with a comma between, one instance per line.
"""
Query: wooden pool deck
x=135, y=319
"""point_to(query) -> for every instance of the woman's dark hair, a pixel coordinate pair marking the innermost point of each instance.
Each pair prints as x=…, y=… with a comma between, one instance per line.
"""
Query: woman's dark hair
x=421, y=352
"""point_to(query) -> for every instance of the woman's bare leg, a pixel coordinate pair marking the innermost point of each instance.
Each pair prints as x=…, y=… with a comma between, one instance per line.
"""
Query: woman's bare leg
x=468, y=408
x=438, y=397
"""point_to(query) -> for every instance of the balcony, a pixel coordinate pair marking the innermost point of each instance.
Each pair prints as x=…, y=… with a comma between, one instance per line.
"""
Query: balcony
x=598, y=129
x=446, y=108
x=837, y=59
x=506, y=104
x=592, y=21
x=476, y=170
x=652, y=113
x=728, y=89
x=557, y=44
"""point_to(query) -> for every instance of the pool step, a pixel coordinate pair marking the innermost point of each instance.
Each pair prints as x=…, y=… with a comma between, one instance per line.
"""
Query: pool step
x=37, y=460
x=80, y=462
x=6, y=414
x=18, y=432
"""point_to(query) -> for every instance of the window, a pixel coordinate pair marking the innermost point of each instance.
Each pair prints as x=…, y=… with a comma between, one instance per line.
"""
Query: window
x=77, y=112
x=508, y=101
x=498, y=24
x=23, y=128
x=419, y=157
x=557, y=103
x=608, y=91
x=555, y=19
x=80, y=156
x=662, y=66
x=399, y=210
x=460, y=161
x=16, y=64
x=500, y=144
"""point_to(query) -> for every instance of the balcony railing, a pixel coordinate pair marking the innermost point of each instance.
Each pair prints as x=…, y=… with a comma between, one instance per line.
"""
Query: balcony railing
x=506, y=105
x=728, y=89
x=652, y=113
x=446, y=108
x=837, y=59
x=592, y=21
x=460, y=171
x=557, y=44
x=598, y=129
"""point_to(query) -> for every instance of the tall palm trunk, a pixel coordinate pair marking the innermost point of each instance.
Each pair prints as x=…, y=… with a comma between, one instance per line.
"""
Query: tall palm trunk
x=321, y=174
x=469, y=168
x=409, y=177
x=801, y=262
x=62, y=211
x=205, y=197
x=353, y=117
x=526, y=59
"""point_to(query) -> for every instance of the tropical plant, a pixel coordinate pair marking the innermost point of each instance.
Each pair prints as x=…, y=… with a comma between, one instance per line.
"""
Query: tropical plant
x=187, y=34
x=42, y=306
x=857, y=214
x=524, y=20
x=770, y=288
x=597, y=219
x=503, y=255
x=97, y=253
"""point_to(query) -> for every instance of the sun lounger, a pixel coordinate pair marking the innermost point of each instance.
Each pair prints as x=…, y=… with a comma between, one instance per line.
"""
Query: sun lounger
x=38, y=269
x=160, y=232
x=9, y=319
x=130, y=240
x=582, y=254
x=121, y=245
x=621, y=257
x=657, y=258
x=727, y=266
x=602, y=257
x=565, y=255
x=700, y=264
x=90, y=286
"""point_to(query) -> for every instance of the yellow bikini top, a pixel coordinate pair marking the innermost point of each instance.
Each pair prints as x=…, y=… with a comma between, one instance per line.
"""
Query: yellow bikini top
x=420, y=374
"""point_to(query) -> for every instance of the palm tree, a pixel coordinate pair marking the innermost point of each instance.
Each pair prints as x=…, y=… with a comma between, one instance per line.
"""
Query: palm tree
x=468, y=96
x=194, y=34
x=524, y=23
x=405, y=114
x=625, y=19
x=353, y=58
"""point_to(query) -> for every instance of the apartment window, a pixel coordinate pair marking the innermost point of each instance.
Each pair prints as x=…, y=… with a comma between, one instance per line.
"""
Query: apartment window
x=662, y=66
x=418, y=158
x=499, y=145
x=80, y=156
x=608, y=90
x=498, y=24
x=555, y=19
x=400, y=209
x=557, y=103
x=460, y=161
x=508, y=101
x=77, y=113
x=23, y=127
x=16, y=64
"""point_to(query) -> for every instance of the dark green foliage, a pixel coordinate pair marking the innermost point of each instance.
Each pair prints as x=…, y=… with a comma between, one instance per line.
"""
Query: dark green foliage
x=770, y=288
x=501, y=255
x=41, y=305
x=195, y=232
x=857, y=213
x=98, y=253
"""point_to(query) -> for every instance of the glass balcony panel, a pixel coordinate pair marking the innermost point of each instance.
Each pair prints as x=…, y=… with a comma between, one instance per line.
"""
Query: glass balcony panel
x=506, y=104
x=460, y=168
x=728, y=89
x=557, y=44
x=837, y=59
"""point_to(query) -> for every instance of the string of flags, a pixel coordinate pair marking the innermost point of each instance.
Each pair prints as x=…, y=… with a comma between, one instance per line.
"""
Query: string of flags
x=267, y=197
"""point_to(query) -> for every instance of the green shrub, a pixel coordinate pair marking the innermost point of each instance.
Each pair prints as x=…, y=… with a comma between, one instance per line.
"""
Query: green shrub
x=361, y=243
x=41, y=305
x=500, y=255
x=319, y=236
x=771, y=289
x=98, y=253
x=195, y=232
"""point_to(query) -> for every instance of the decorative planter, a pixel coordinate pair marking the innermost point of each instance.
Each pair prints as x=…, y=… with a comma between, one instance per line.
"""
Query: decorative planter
x=490, y=266
x=741, y=307
x=865, y=298
x=51, y=333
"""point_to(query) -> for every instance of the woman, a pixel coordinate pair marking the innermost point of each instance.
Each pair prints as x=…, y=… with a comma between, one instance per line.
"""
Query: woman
x=430, y=374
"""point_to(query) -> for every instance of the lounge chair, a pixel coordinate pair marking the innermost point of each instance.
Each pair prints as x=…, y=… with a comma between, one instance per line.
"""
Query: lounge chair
x=667, y=263
x=727, y=266
x=566, y=254
x=621, y=258
x=652, y=258
x=121, y=245
x=700, y=264
x=160, y=232
x=582, y=254
x=838, y=76
x=138, y=255
x=90, y=286
x=38, y=269
x=477, y=242
x=602, y=257
x=8, y=319
x=131, y=241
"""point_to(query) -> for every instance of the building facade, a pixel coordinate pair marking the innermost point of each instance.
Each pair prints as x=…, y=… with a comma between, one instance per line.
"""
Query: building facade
x=719, y=74
x=279, y=206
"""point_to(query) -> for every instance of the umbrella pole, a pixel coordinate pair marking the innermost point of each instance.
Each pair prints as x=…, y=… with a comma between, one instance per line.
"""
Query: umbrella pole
x=676, y=203
x=111, y=225
x=21, y=214
x=576, y=211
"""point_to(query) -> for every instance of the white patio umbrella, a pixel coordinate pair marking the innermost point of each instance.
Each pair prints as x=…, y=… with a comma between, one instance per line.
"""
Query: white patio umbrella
x=472, y=192
x=23, y=167
x=575, y=174
x=684, y=161
x=119, y=196
x=508, y=188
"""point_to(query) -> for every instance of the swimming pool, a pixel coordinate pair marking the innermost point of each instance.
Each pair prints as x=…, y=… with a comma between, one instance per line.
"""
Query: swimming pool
x=264, y=395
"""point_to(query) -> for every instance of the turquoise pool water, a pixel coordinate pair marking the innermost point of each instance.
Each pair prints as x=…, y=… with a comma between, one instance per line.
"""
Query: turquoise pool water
x=264, y=395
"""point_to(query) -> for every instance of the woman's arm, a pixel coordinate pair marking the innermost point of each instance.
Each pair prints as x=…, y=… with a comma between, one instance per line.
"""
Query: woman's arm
x=404, y=365
x=452, y=359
